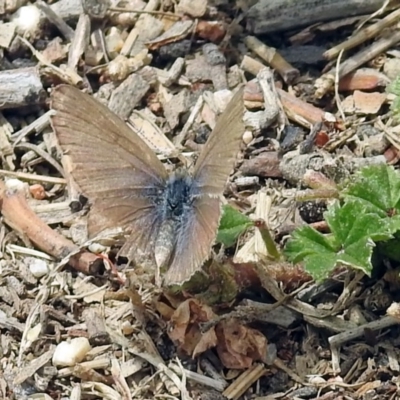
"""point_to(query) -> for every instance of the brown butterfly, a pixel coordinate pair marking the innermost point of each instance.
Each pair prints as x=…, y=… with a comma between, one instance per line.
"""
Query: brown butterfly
x=172, y=218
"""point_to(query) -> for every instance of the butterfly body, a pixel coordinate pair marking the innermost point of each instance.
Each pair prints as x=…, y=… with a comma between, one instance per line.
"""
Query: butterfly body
x=175, y=206
x=171, y=219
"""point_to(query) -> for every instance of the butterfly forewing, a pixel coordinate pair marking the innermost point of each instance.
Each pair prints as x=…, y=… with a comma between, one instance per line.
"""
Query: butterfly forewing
x=218, y=156
x=115, y=169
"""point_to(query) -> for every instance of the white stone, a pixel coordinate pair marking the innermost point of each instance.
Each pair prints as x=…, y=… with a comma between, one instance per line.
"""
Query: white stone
x=68, y=354
x=38, y=267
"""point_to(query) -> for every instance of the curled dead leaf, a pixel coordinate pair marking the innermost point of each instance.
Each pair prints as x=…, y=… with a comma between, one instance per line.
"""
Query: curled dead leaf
x=185, y=326
x=238, y=345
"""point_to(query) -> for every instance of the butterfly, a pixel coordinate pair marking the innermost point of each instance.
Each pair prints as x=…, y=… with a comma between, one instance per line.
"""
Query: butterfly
x=171, y=218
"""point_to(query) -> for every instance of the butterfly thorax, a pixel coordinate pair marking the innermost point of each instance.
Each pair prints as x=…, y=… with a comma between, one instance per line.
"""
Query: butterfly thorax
x=176, y=202
x=177, y=195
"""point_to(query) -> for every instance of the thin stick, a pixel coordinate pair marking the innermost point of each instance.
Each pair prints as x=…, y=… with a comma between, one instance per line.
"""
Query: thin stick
x=163, y=13
x=363, y=35
x=32, y=177
x=44, y=155
x=19, y=216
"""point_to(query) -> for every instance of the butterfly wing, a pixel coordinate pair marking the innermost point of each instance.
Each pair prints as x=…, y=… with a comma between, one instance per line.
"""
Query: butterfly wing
x=115, y=169
x=216, y=161
x=200, y=224
x=194, y=239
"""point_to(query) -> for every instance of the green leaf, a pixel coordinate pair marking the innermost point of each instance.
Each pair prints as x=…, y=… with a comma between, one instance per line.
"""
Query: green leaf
x=307, y=241
x=353, y=222
x=377, y=187
x=317, y=265
x=232, y=225
x=353, y=231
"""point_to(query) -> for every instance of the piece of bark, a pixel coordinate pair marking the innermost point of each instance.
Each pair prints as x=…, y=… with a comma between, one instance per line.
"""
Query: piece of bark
x=20, y=87
x=195, y=9
x=128, y=95
x=265, y=165
x=212, y=31
x=272, y=102
x=55, y=51
x=304, y=55
x=175, y=33
x=363, y=79
x=80, y=41
x=175, y=107
x=54, y=213
x=96, y=9
x=198, y=70
x=68, y=9
x=303, y=113
x=33, y=366
x=363, y=103
x=56, y=20
x=280, y=316
x=217, y=66
x=280, y=15
x=7, y=32
x=98, y=335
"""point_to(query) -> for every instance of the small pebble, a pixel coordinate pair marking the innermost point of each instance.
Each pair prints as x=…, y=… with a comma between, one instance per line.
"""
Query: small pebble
x=96, y=248
x=247, y=137
x=37, y=191
x=68, y=354
x=15, y=185
x=38, y=267
x=27, y=20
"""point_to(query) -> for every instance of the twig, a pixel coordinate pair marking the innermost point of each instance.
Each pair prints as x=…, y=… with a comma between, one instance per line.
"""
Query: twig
x=325, y=82
x=19, y=216
x=273, y=58
x=337, y=80
x=244, y=381
x=162, y=13
x=341, y=338
x=56, y=20
x=363, y=35
x=32, y=177
x=68, y=75
x=44, y=155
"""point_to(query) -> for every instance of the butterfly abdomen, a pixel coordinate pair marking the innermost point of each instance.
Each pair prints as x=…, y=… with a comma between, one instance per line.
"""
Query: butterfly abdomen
x=176, y=202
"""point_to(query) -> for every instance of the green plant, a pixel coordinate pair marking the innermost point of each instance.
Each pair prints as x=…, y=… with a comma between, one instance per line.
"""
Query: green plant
x=233, y=223
x=367, y=213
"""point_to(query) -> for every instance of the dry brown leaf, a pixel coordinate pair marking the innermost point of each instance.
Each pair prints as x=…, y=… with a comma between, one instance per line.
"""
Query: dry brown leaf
x=185, y=324
x=238, y=346
x=207, y=341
